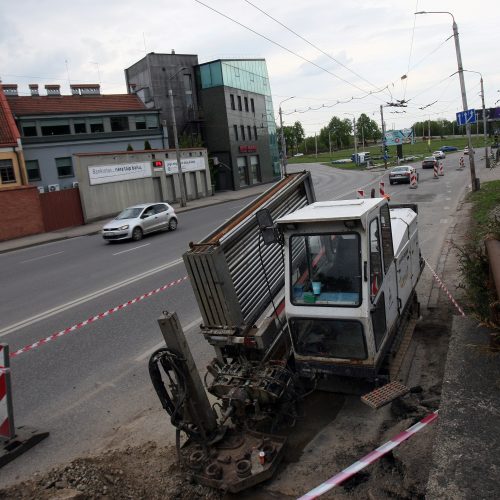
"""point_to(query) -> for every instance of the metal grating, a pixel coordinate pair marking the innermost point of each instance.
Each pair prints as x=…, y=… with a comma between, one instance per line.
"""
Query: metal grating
x=385, y=394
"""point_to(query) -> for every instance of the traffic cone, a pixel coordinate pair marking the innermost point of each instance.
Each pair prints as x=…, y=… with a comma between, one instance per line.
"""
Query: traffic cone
x=360, y=193
x=441, y=168
x=413, y=180
x=435, y=172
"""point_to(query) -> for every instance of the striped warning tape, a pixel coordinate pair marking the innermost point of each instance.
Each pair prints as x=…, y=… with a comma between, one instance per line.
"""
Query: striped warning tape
x=370, y=458
x=443, y=287
x=77, y=326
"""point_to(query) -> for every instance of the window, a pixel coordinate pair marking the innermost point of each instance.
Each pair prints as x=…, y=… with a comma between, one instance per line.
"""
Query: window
x=246, y=104
x=255, y=169
x=96, y=125
x=326, y=269
x=233, y=106
x=29, y=129
x=7, y=174
x=376, y=276
x=55, y=127
x=385, y=229
x=119, y=123
x=80, y=127
x=64, y=167
x=236, y=132
x=161, y=207
x=242, y=128
x=140, y=122
x=242, y=169
x=328, y=338
x=151, y=121
x=252, y=104
x=33, y=170
x=249, y=131
x=255, y=132
x=239, y=103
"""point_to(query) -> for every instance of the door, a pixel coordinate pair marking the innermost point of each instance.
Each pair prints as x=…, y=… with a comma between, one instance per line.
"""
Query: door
x=161, y=216
x=149, y=219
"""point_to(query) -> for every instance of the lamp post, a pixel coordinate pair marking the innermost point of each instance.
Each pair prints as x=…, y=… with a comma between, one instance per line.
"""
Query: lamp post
x=176, y=140
x=354, y=133
x=485, y=134
x=283, y=144
x=464, y=95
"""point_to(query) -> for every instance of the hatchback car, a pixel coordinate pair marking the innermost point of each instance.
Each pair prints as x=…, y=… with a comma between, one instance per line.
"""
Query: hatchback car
x=133, y=222
x=439, y=155
x=448, y=148
x=466, y=150
x=401, y=174
x=429, y=162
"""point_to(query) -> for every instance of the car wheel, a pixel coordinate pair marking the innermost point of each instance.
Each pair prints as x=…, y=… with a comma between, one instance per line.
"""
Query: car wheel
x=137, y=234
x=172, y=224
x=391, y=182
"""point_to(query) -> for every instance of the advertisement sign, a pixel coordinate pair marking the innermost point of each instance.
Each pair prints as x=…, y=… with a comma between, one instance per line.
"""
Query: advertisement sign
x=101, y=174
x=187, y=165
x=397, y=137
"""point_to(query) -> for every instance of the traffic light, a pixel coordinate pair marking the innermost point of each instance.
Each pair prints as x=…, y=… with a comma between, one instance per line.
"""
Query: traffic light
x=157, y=163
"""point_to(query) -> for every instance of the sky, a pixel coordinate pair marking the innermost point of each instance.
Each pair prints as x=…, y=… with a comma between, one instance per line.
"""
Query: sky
x=332, y=58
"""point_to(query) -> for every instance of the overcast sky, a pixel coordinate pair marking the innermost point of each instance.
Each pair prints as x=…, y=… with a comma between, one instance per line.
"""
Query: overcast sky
x=364, y=46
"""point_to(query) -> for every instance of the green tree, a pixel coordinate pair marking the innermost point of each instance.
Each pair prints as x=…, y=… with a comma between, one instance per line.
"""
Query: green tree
x=338, y=131
x=147, y=145
x=129, y=147
x=367, y=128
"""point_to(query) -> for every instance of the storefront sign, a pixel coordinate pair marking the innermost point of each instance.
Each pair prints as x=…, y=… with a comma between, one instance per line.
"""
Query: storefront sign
x=187, y=165
x=101, y=174
x=248, y=149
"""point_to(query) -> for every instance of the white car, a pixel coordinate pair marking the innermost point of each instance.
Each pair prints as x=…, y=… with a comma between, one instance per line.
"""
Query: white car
x=133, y=222
x=439, y=155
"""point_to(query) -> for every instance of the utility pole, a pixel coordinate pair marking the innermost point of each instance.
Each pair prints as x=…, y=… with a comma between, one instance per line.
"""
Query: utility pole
x=485, y=132
x=316, y=143
x=283, y=143
x=330, y=141
x=383, y=134
x=363, y=136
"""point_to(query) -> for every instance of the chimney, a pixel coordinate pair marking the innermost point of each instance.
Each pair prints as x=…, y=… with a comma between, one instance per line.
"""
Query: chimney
x=86, y=89
x=34, y=89
x=131, y=88
x=173, y=52
x=10, y=89
x=53, y=90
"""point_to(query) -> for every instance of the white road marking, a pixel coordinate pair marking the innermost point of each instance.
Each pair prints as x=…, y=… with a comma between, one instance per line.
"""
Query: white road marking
x=81, y=300
x=150, y=351
x=443, y=221
x=446, y=208
x=42, y=257
x=132, y=249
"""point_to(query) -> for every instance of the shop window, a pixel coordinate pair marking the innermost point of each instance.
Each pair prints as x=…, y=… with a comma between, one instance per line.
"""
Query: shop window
x=33, y=170
x=29, y=129
x=7, y=174
x=255, y=169
x=242, y=170
x=64, y=167
x=119, y=123
x=55, y=127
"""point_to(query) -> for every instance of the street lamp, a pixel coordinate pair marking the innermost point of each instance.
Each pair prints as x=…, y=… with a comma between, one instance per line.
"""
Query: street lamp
x=176, y=140
x=486, y=156
x=354, y=133
x=464, y=95
x=283, y=144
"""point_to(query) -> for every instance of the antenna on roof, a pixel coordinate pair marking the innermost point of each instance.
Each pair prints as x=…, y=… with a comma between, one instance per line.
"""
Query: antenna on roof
x=67, y=71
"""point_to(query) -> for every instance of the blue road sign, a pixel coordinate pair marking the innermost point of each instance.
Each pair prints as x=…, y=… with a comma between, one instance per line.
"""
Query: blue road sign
x=468, y=116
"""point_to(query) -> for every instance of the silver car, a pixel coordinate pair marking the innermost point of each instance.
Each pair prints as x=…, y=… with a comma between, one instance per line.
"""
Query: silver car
x=138, y=220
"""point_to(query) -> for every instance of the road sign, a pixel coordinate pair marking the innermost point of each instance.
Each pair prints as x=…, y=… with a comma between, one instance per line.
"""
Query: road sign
x=467, y=116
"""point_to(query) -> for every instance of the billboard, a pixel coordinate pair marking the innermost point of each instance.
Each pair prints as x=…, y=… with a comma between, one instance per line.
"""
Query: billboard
x=187, y=165
x=398, y=137
x=102, y=174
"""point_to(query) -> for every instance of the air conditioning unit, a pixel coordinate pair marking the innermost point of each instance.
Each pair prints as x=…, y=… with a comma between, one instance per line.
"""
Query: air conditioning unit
x=53, y=187
x=41, y=189
x=75, y=184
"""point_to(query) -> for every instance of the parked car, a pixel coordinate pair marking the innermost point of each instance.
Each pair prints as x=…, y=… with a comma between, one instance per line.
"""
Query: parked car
x=448, y=148
x=439, y=155
x=134, y=222
x=466, y=150
x=429, y=162
x=401, y=174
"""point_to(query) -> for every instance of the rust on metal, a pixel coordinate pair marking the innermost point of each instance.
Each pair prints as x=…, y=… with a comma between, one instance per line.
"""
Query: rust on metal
x=385, y=394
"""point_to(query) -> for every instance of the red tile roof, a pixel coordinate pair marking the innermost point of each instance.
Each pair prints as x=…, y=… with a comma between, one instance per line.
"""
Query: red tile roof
x=69, y=104
x=8, y=130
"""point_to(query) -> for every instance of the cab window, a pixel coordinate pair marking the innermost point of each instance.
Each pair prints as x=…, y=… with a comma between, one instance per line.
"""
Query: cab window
x=376, y=274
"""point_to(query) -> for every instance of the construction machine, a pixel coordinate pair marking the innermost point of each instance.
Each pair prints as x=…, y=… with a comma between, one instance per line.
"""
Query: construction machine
x=295, y=295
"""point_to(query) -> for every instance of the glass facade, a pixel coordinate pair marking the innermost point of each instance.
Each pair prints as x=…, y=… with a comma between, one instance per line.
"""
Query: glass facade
x=250, y=75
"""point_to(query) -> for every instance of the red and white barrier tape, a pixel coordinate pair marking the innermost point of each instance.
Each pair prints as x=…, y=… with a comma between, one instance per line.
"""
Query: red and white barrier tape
x=443, y=287
x=70, y=329
x=370, y=458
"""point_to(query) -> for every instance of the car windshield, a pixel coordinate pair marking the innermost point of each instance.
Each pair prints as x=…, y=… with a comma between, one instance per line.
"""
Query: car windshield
x=400, y=169
x=129, y=213
x=429, y=158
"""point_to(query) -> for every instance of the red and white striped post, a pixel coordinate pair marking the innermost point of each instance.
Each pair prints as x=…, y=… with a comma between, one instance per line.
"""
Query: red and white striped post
x=360, y=193
x=435, y=171
x=441, y=169
x=413, y=180
x=381, y=188
x=462, y=163
x=7, y=428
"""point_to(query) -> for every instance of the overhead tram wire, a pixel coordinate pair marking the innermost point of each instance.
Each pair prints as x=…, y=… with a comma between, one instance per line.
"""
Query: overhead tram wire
x=312, y=44
x=411, y=49
x=292, y=52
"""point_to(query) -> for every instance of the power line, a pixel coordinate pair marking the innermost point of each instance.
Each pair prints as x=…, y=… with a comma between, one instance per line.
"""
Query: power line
x=292, y=52
x=411, y=48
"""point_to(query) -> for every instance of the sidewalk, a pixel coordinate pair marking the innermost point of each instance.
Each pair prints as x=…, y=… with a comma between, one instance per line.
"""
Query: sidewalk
x=95, y=227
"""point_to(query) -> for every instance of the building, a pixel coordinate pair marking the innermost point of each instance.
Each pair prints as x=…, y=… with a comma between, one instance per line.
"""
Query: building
x=228, y=101
x=53, y=127
x=153, y=77
x=239, y=127
x=12, y=169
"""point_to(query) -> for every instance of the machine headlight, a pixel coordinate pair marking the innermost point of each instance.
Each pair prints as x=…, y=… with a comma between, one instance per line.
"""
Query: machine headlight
x=123, y=227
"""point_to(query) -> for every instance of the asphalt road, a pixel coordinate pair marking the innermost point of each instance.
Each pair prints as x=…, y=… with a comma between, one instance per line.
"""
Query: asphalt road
x=90, y=388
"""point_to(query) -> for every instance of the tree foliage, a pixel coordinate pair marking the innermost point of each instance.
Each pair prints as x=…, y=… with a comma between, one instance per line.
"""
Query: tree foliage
x=367, y=128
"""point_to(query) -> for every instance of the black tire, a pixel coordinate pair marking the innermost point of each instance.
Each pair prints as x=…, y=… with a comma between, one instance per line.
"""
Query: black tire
x=172, y=224
x=391, y=183
x=137, y=234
